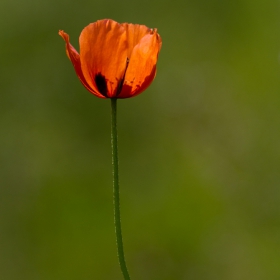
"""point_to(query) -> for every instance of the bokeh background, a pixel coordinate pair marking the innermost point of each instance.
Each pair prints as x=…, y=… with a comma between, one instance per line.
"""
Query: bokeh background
x=199, y=150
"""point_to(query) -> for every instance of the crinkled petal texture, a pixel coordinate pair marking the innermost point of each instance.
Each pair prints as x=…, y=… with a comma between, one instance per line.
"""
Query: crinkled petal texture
x=141, y=69
x=116, y=60
x=75, y=59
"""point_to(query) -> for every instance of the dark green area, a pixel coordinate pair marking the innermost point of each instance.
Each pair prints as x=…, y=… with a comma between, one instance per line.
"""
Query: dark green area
x=199, y=150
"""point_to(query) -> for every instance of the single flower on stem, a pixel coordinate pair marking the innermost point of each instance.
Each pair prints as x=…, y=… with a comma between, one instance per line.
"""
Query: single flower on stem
x=116, y=60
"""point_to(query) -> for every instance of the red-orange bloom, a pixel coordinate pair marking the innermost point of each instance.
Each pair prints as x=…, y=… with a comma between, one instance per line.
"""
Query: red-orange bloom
x=116, y=60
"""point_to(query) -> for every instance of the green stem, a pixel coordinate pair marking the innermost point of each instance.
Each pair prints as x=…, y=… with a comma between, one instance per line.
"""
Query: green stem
x=117, y=216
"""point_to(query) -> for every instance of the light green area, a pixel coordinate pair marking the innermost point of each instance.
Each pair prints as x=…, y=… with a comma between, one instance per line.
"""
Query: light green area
x=199, y=150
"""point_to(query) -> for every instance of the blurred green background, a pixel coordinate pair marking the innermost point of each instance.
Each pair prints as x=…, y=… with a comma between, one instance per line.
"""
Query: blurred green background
x=199, y=150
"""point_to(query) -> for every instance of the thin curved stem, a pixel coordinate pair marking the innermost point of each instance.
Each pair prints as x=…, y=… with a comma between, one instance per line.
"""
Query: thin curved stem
x=117, y=216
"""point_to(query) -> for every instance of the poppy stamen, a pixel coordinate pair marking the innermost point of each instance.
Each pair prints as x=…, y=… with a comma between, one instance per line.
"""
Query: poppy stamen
x=120, y=85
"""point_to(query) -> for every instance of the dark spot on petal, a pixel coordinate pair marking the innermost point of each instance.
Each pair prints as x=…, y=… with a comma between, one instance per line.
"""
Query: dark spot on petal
x=101, y=84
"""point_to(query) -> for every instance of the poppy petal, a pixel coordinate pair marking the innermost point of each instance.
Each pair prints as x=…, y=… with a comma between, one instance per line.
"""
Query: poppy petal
x=142, y=65
x=134, y=33
x=103, y=52
x=74, y=56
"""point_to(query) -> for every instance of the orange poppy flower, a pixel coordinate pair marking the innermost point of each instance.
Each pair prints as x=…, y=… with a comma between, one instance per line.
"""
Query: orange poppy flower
x=116, y=60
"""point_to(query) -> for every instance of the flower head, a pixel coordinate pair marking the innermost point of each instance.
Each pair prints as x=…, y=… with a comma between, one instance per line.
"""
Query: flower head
x=116, y=60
